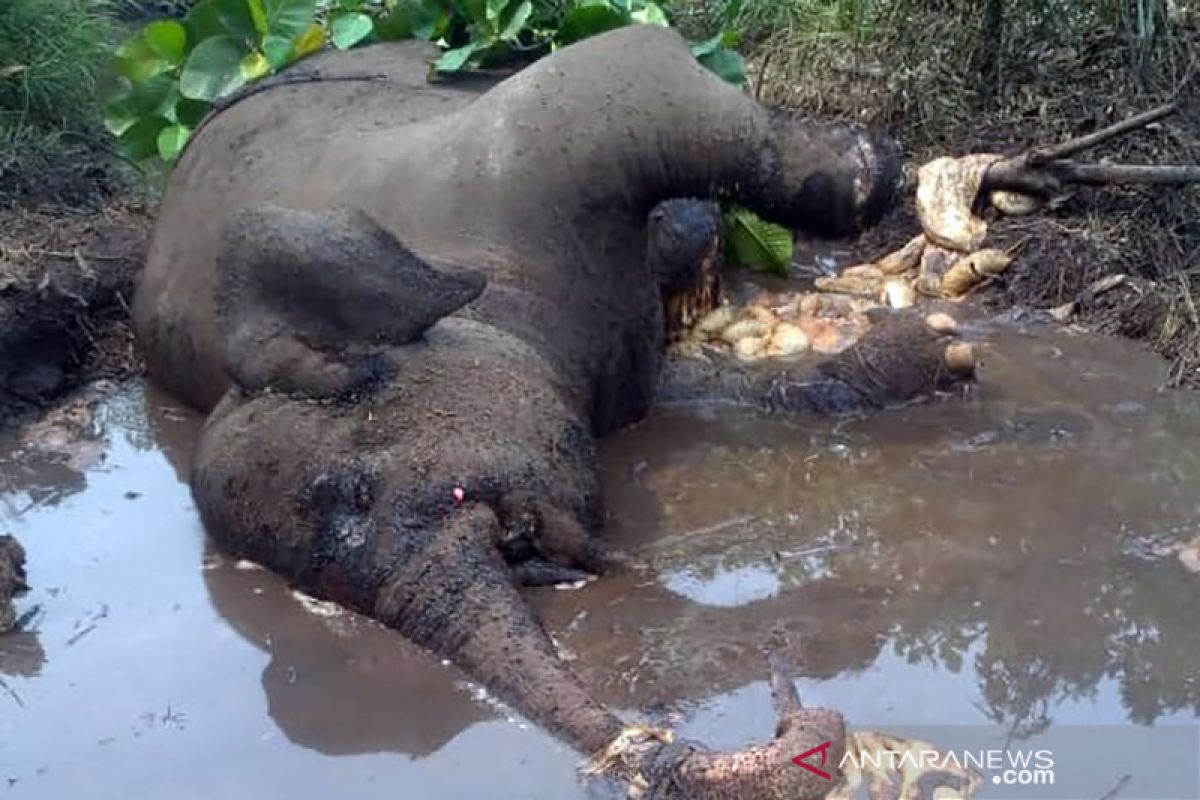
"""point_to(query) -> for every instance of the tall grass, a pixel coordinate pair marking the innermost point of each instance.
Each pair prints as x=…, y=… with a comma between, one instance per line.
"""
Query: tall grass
x=52, y=56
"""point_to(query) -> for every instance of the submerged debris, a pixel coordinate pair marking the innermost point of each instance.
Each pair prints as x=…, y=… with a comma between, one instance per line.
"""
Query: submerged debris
x=12, y=579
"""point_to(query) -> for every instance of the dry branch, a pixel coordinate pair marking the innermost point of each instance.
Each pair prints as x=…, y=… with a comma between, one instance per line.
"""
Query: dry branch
x=1043, y=171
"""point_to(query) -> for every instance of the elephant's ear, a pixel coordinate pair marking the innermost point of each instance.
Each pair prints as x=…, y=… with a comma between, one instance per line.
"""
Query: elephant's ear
x=312, y=302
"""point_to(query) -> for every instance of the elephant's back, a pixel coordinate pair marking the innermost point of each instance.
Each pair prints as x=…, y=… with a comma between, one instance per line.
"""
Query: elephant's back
x=295, y=141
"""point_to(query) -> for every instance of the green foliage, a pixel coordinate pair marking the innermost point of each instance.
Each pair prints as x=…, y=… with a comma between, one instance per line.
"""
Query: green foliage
x=52, y=56
x=751, y=241
x=172, y=72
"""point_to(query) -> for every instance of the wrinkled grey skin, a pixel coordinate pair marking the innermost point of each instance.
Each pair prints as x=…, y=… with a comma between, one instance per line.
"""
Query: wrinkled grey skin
x=421, y=472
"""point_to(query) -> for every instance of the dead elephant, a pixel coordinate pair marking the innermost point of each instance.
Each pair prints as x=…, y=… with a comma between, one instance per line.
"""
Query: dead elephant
x=429, y=301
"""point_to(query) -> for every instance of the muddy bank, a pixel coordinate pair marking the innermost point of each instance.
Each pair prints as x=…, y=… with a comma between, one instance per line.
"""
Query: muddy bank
x=65, y=281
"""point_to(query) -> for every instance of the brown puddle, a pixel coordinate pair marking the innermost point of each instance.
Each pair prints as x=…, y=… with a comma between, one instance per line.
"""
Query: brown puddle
x=1006, y=560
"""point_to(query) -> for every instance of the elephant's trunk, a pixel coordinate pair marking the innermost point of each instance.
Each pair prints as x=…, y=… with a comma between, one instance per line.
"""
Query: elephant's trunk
x=457, y=598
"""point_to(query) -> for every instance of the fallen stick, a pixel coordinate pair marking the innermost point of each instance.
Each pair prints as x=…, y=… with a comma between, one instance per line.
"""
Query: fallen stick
x=1043, y=171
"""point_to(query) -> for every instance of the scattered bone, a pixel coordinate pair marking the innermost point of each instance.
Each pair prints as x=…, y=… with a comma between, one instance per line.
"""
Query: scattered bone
x=1189, y=555
x=1013, y=204
x=898, y=293
x=750, y=348
x=745, y=329
x=859, y=285
x=941, y=322
x=716, y=321
x=946, y=192
x=904, y=259
x=960, y=359
x=972, y=270
x=890, y=766
x=787, y=340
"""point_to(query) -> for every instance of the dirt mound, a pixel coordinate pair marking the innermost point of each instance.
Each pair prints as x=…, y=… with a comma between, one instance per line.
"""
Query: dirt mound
x=65, y=282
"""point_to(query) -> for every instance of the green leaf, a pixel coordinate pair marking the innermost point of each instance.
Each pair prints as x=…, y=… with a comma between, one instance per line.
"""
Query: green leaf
x=148, y=98
x=753, y=242
x=590, y=20
x=255, y=66
x=170, y=141
x=456, y=59
x=189, y=112
x=651, y=14
x=733, y=10
x=202, y=22
x=289, y=19
x=167, y=39
x=347, y=30
x=413, y=19
x=516, y=23
x=137, y=60
x=140, y=141
x=236, y=19
x=258, y=16
x=706, y=47
x=726, y=64
x=279, y=51
x=214, y=69
x=493, y=10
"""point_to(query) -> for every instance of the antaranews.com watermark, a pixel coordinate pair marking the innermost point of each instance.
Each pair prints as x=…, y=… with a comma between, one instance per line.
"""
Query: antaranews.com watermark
x=1118, y=762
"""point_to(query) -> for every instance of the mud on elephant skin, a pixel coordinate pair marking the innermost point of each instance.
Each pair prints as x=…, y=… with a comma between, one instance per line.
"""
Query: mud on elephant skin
x=426, y=331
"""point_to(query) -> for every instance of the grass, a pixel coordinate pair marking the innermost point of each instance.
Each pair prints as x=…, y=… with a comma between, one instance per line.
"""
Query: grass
x=947, y=78
x=53, y=56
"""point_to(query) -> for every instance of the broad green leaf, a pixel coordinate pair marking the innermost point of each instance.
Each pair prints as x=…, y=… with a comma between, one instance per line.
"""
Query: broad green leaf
x=758, y=244
x=140, y=141
x=586, y=21
x=472, y=10
x=516, y=23
x=706, y=47
x=170, y=141
x=254, y=66
x=258, y=15
x=493, y=10
x=726, y=64
x=280, y=52
x=312, y=40
x=189, y=112
x=733, y=10
x=214, y=69
x=167, y=39
x=289, y=18
x=137, y=60
x=413, y=19
x=236, y=19
x=148, y=98
x=456, y=59
x=347, y=30
x=651, y=14
x=202, y=22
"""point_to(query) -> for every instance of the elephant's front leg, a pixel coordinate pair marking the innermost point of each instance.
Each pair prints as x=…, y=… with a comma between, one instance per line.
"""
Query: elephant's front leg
x=905, y=355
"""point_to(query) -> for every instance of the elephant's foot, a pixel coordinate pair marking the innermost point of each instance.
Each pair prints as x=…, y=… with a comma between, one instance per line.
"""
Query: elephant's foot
x=656, y=765
x=903, y=355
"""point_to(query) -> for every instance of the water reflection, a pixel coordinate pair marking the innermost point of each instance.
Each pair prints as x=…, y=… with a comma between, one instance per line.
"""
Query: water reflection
x=1025, y=539
x=1007, y=560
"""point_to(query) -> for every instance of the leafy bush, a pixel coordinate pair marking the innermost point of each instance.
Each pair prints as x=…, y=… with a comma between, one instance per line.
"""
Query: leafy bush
x=52, y=53
x=173, y=71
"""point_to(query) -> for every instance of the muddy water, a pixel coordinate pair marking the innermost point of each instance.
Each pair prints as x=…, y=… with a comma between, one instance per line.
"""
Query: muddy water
x=1006, y=560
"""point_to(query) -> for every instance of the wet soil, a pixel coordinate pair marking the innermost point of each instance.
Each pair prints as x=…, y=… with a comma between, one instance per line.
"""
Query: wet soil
x=1006, y=564
x=66, y=278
